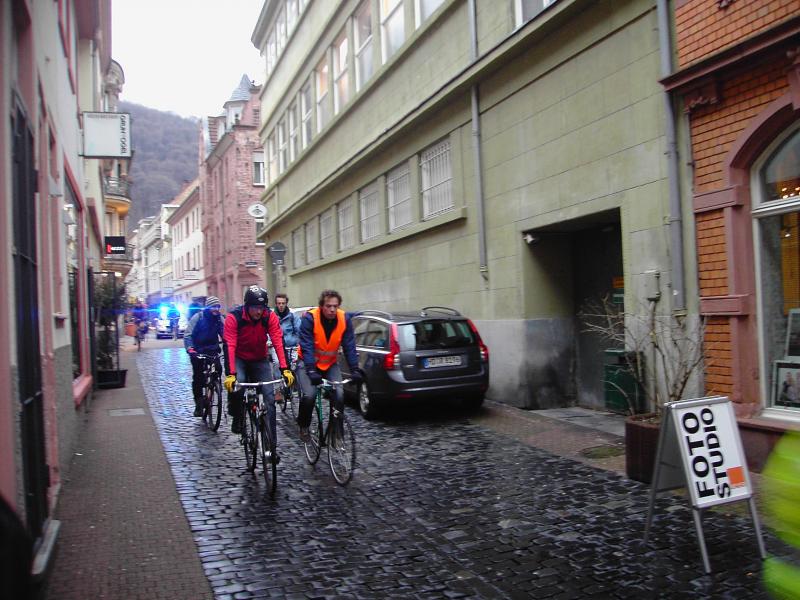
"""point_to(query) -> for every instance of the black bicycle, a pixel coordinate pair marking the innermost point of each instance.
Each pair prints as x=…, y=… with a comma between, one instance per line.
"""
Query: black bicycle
x=212, y=390
x=339, y=439
x=256, y=437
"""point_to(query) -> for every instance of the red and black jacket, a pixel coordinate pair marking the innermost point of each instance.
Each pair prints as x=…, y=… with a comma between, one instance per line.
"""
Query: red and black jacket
x=247, y=339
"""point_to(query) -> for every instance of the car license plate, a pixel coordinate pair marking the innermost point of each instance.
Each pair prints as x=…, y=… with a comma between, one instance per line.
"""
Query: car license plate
x=441, y=361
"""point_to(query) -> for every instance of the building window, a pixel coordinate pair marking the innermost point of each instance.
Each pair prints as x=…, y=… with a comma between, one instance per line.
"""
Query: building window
x=398, y=197
x=370, y=211
x=425, y=8
x=292, y=11
x=272, y=51
x=436, y=176
x=281, y=28
x=312, y=240
x=392, y=27
x=525, y=10
x=272, y=154
x=346, y=229
x=777, y=217
x=362, y=31
x=298, y=248
x=258, y=168
x=327, y=233
x=294, y=133
x=323, y=110
x=341, y=90
x=305, y=111
x=283, y=146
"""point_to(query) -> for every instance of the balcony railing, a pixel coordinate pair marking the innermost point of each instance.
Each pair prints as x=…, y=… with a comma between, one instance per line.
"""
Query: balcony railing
x=116, y=187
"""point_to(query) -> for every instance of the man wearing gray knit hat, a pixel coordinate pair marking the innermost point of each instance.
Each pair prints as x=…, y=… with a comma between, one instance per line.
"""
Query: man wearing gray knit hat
x=203, y=336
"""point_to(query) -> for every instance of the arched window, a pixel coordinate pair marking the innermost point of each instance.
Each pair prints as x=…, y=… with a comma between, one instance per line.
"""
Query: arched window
x=775, y=187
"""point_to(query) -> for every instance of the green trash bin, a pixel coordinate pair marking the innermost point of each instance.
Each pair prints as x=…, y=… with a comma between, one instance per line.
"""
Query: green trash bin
x=620, y=388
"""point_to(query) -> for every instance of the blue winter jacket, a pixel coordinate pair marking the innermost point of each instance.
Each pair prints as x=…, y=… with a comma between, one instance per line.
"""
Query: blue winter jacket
x=290, y=325
x=204, y=332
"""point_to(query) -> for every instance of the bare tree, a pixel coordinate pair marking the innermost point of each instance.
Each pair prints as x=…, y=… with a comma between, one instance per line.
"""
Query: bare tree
x=663, y=353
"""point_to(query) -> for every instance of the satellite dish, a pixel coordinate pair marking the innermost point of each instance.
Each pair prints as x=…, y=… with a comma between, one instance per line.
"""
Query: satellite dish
x=257, y=211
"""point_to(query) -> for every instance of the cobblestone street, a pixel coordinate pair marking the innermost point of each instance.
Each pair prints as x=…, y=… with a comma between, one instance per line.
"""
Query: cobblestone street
x=439, y=507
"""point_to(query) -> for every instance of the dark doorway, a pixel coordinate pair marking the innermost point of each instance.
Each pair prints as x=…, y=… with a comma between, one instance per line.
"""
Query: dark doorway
x=34, y=464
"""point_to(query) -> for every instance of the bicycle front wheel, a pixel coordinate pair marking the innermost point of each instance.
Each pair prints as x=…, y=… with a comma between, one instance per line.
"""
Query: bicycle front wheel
x=294, y=401
x=314, y=446
x=341, y=451
x=268, y=458
x=249, y=440
x=213, y=411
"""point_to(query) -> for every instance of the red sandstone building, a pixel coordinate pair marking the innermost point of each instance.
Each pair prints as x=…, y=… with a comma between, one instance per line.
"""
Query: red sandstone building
x=738, y=76
x=231, y=180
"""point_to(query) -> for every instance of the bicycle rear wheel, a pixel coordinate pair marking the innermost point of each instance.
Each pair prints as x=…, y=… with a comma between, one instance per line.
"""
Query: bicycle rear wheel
x=268, y=457
x=341, y=451
x=213, y=408
x=314, y=446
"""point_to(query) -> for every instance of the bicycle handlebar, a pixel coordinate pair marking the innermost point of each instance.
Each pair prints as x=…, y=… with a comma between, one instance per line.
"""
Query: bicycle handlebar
x=342, y=382
x=256, y=383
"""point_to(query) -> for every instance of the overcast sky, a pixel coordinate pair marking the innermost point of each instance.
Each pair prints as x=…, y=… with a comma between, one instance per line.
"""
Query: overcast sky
x=185, y=56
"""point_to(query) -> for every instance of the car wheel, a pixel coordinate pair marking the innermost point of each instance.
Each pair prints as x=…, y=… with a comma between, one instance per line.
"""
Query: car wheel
x=473, y=402
x=365, y=403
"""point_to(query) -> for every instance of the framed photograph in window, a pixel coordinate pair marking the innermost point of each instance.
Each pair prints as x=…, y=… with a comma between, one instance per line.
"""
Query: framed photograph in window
x=786, y=384
x=793, y=335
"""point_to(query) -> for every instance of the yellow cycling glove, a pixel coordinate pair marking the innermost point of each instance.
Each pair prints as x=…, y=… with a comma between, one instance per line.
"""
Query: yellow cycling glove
x=230, y=381
x=289, y=377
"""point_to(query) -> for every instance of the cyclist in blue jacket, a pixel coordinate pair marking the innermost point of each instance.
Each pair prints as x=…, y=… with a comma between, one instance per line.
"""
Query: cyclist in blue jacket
x=290, y=325
x=203, y=336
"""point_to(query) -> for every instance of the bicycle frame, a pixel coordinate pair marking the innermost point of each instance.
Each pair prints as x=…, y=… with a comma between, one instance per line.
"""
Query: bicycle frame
x=342, y=450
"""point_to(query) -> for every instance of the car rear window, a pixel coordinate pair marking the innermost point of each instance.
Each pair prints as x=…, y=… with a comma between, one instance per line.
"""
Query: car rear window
x=433, y=334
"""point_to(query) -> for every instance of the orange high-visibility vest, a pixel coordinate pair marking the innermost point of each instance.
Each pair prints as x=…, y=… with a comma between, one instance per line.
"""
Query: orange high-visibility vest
x=326, y=349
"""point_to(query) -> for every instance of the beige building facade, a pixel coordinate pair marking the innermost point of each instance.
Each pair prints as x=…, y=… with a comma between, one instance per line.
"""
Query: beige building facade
x=513, y=173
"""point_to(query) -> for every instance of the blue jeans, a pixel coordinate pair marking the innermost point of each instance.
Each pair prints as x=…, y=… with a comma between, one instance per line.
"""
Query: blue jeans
x=260, y=370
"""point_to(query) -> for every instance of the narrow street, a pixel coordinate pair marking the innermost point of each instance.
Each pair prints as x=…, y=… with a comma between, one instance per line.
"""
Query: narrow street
x=439, y=507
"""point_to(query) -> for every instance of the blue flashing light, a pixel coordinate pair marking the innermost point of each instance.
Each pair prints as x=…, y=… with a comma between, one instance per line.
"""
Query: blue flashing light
x=162, y=311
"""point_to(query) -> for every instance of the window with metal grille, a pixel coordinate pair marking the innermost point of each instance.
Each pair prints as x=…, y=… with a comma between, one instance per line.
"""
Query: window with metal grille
x=362, y=32
x=398, y=197
x=298, y=248
x=341, y=89
x=370, y=211
x=312, y=240
x=305, y=113
x=327, y=233
x=346, y=228
x=436, y=175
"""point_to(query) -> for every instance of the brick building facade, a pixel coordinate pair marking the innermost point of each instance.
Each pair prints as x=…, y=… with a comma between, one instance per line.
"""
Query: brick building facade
x=739, y=82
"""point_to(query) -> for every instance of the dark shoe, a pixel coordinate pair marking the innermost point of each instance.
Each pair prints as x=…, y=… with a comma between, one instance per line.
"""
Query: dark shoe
x=236, y=425
x=198, y=412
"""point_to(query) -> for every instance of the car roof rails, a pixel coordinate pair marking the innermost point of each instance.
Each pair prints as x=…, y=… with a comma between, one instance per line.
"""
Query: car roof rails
x=371, y=311
x=439, y=309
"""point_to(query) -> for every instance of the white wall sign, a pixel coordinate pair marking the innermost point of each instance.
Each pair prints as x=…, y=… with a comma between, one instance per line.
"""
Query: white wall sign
x=106, y=135
x=191, y=275
x=257, y=210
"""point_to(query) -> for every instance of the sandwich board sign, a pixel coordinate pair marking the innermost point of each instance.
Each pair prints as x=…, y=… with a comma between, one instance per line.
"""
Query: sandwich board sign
x=699, y=448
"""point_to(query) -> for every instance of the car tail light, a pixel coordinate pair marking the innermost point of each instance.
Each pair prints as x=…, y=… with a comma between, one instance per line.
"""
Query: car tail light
x=483, y=347
x=392, y=360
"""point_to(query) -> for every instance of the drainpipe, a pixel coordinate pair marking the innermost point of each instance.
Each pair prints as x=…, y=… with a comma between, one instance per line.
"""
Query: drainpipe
x=476, y=147
x=675, y=216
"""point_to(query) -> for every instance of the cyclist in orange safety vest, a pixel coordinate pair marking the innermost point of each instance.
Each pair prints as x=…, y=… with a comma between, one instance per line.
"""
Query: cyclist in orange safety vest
x=322, y=331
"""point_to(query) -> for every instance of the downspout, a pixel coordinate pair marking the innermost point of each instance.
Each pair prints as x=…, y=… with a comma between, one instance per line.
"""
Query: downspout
x=675, y=216
x=476, y=146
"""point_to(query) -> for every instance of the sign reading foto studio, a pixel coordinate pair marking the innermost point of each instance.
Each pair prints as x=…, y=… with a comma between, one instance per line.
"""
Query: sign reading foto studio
x=115, y=244
x=106, y=135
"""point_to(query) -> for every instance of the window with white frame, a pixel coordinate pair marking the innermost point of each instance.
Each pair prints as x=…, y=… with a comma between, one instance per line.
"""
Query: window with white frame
x=775, y=190
x=345, y=215
x=525, y=10
x=312, y=240
x=283, y=146
x=341, y=89
x=258, y=168
x=272, y=51
x=321, y=77
x=298, y=248
x=424, y=9
x=362, y=33
x=306, y=130
x=370, y=211
x=436, y=178
x=327, y=233
x=292, y=12
x=280, y=26
x=398, y=197
x=272, y=155
x=294, y=133
x=392, y=27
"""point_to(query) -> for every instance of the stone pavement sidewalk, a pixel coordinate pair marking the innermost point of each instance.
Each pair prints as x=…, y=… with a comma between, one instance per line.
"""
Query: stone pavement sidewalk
x=124, y=534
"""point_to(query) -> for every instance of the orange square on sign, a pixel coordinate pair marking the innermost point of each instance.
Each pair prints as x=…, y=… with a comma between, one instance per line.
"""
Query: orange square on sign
x=736, y=476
